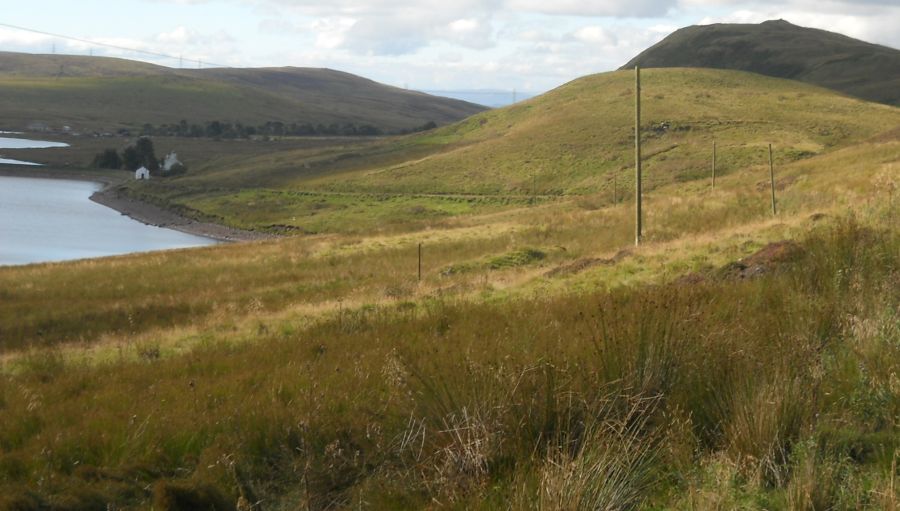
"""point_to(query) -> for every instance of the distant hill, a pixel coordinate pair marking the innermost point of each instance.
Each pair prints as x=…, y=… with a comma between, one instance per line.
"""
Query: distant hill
x=107, y=93
x=494, y=98
x=346, y=95
x=783, y=50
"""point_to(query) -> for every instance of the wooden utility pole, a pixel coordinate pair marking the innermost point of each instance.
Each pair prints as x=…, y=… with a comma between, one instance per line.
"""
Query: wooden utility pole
x=772, y=178
x=714, y=166
x=420, y=261
x=637, y=156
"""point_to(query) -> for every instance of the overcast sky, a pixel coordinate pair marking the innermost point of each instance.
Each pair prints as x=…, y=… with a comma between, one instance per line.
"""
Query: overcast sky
x=528, y=45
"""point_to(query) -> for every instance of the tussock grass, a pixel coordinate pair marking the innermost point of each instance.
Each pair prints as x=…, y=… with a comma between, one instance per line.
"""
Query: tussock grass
x=606, y=464
x=613, y=399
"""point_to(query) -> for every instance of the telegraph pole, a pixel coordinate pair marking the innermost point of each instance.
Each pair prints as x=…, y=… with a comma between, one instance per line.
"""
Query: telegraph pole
x=714, y=166
x=637, y=156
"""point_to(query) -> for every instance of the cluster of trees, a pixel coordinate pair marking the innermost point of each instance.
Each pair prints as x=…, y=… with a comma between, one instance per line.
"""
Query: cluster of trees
x=137, y=155
x=229, y=130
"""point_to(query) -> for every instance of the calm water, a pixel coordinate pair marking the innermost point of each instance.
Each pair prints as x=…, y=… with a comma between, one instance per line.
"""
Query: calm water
x=23, y=143
x=16, y=162
x=53, y=220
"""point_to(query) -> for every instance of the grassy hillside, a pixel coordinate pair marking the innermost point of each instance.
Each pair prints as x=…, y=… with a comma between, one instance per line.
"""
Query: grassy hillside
x=735, y=360
x=780, y=49
x=541, y=359
x=574, y=141
x=97, y=93
x=58, y=66
x=343, y=95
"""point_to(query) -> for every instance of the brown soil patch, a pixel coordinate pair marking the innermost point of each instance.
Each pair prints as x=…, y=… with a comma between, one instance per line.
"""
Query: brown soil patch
x=892, y=135
x=765, y=260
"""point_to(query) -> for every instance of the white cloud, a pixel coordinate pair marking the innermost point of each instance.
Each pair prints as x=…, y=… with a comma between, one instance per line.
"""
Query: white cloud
x=467, y=32
x=595, y=35
x=332, y=32
x=631, y=8
x=16, y=38
x=180, y=35
x=464, y=25
x=382, y=27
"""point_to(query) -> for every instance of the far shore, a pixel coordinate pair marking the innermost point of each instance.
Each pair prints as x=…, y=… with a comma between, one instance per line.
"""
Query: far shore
x=143, y=212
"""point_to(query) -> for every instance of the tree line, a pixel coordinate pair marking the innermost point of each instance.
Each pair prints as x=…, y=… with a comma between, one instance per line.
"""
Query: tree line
x=234, y=130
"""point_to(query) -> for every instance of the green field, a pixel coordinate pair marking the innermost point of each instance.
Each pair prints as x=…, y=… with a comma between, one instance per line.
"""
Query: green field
x=735, y=360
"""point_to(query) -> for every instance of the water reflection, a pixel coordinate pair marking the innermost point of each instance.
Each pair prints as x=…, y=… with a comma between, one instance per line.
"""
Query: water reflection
x=53, y=220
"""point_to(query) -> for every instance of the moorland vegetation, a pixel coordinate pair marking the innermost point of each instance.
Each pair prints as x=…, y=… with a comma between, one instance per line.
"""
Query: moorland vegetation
x=734, y=360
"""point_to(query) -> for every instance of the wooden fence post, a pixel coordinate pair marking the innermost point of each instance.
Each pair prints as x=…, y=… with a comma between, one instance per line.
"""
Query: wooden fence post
x=714, y=166
x=637, y=157
x=772, y=178
x=615, y=189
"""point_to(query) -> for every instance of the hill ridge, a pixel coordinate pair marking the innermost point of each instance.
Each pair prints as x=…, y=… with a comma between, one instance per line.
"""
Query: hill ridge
x=107, y=93
x=781, y=49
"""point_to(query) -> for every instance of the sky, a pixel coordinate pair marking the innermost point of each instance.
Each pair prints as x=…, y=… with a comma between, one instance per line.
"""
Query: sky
x=435, y=45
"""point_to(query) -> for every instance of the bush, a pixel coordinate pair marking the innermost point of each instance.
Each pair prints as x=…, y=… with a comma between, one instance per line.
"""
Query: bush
x=108, y=159
x=177, y=170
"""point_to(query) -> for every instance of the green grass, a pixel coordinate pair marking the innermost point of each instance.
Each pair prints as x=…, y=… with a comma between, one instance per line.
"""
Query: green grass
x=314, y=212
x=575, y=141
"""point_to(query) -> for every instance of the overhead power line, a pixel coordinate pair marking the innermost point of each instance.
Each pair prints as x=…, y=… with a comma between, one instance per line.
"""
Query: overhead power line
x=113, y=46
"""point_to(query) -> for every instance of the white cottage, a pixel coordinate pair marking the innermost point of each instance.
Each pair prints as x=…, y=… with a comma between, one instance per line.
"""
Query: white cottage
x=170, y=161
x=142, y=173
